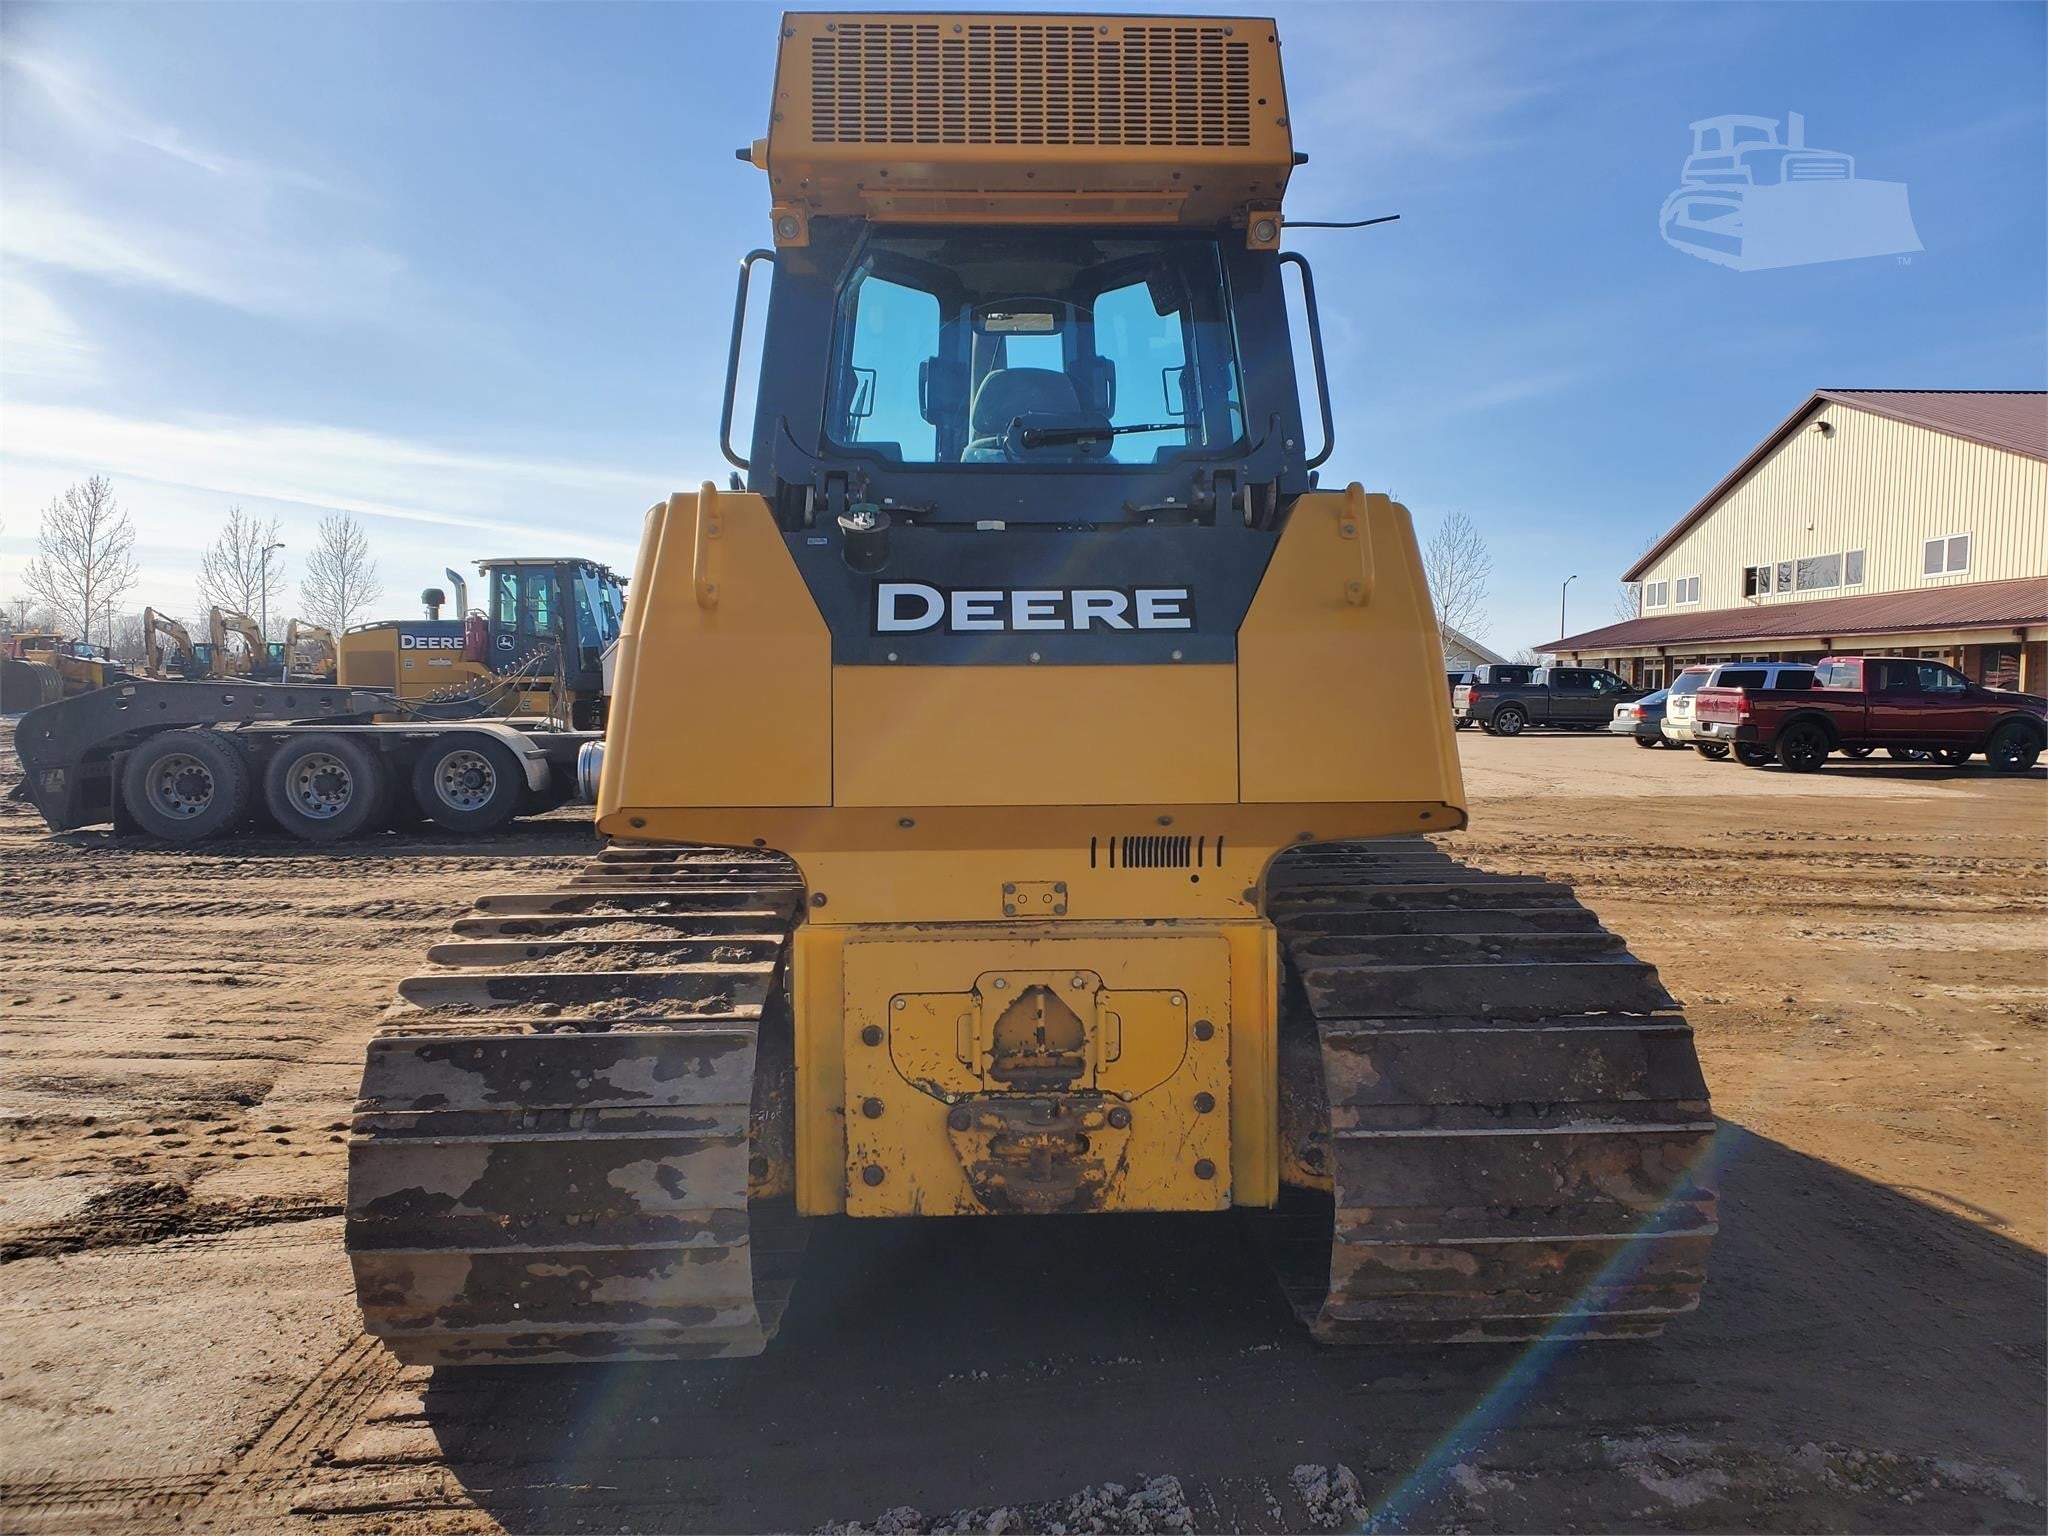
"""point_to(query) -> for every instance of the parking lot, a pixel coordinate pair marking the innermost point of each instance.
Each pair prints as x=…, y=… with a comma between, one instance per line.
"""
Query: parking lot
x=1863, y=951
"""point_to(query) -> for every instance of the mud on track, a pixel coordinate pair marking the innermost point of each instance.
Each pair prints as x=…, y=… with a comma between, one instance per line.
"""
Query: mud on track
x=1864, y=959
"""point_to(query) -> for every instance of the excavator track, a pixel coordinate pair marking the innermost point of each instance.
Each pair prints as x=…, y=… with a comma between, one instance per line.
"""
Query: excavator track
x=575, y=1138
x=1503, y=1104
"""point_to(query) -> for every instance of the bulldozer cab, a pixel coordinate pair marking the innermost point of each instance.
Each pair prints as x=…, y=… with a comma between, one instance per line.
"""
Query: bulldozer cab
x=963, y=376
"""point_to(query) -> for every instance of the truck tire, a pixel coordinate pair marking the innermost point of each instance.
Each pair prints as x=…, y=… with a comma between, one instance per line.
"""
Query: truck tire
x=1803, y=746
x=1509, y=720
x=186, y=786
x=468, y=784
x=1712, y=750
x=1909, y=754
x=1644, y=741
x=325, y=786
x=1953, y=757
x=1753, y=757
x=1858, y=752
x=2013, y=748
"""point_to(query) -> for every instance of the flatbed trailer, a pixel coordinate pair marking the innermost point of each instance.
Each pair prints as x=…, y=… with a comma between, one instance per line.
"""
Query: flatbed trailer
x=186, y=761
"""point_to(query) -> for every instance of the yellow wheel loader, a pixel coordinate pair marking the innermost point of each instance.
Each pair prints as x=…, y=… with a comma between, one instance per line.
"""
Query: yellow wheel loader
x=1021, y=787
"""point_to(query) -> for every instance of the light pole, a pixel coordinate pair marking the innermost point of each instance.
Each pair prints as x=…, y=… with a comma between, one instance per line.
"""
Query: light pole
x=263, y=595
x=1560, y=602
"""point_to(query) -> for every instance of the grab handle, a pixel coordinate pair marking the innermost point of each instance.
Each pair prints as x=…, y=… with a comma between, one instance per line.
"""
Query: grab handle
x=1352, y=524
x=708, y=525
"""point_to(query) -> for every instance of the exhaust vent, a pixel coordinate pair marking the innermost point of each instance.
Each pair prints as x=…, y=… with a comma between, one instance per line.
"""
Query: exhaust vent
x=1180, y=85
x=1152, y=852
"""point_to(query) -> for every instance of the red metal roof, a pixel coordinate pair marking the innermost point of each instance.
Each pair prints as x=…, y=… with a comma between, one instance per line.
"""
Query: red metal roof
x=1978, y=605
x=2015, y=420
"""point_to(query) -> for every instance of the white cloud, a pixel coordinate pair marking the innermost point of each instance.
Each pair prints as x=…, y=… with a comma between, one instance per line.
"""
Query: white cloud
x=287, y=280
x=39, y=342
x=120, y=197
x=330, y=467
x=93, y=113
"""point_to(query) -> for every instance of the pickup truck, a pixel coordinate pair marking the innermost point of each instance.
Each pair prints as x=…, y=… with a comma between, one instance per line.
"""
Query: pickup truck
x=1860, y=703
x=1507, y=699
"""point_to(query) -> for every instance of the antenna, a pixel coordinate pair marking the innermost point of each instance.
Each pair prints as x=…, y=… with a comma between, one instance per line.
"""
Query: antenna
x=1385, y=218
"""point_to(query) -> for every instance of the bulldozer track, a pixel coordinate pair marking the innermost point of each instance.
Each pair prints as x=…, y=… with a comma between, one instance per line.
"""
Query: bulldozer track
x=1505, y=1102
x=575, y=1135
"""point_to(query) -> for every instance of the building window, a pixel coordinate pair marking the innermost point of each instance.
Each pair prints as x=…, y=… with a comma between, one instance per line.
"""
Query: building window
x=1819, y=572
x=1687, y=590
x=1945, y=556
x=1656, y=594
x=1756, y=581
x=1852, y=568
x=1784, y=583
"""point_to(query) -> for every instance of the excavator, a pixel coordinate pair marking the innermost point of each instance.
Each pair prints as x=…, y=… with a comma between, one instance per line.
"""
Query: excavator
x=168, y=649
x=309, y=653
x=1024, y=790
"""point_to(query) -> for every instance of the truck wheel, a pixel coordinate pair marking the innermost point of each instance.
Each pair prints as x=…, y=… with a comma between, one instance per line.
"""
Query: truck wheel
x=468, y=784
x=325, y=786
x=184, y=786
x=1752, y=757
x=2013, y=748
x=1803, y=747
x=1909, y=754
x=1954, y=757
x=1509, y=720
x=1858, y=752
x=1714, y=750
x=1645, y=741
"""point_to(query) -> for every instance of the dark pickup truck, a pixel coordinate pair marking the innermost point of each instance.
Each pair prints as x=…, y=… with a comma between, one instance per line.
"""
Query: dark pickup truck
x=1860, y=703
x=1507, y=699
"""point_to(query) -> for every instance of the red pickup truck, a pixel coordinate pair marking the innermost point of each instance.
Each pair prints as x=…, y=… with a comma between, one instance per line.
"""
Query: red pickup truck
x=1860, y=703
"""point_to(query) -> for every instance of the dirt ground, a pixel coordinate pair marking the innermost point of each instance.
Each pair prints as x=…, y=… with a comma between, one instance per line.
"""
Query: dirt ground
x=1864, y=954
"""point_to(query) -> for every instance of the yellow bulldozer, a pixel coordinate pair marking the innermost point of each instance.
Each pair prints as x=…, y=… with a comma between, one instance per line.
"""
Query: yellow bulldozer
x=39, y=665
x=1023, y=789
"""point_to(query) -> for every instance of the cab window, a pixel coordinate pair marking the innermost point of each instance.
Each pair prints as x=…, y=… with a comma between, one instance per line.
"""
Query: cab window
x=978, y=348
x=1935, y=678
x=505, y=598
x=539, y=615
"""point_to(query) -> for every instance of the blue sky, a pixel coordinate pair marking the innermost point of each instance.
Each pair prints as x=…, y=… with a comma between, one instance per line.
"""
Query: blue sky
x=467, y=270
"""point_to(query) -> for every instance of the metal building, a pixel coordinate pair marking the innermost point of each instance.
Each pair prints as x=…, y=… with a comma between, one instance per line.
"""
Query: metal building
x=1899, y=522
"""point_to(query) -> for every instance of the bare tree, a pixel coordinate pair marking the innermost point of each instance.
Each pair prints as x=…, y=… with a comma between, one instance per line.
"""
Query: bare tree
x=24, y=612
x=125, y=639
x=1628, y=598
x=1458, y=567
x=242, y=569
x=85, y=561
x=340, y=582
x=1527, y=658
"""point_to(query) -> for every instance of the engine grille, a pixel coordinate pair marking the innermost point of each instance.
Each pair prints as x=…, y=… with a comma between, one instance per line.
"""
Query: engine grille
x=1031, y=83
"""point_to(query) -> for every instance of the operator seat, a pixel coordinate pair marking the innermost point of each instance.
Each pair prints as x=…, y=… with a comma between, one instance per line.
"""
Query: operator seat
x=1007, y=393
